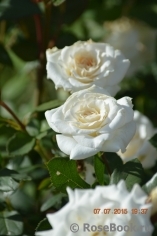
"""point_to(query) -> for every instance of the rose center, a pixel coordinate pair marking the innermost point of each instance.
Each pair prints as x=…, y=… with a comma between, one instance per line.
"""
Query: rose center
x=85, y=61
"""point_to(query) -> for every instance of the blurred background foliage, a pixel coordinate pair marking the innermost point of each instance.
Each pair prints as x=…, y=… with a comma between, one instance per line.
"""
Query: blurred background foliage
x=27, y=29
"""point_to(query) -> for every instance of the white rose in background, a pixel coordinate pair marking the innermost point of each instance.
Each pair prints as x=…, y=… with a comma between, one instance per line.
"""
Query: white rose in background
x=91, y=121
x=136, y=40
x=82, y=203
x=83, y=64
x=89, y=173
x=140, y=147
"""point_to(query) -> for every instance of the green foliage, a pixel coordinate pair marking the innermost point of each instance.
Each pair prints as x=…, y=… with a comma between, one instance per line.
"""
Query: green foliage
x=43, y=225
x=10, y=223
x=132, y=172
x=99, y=170
x=54, y=200
x=20, y=144
x=64, y=174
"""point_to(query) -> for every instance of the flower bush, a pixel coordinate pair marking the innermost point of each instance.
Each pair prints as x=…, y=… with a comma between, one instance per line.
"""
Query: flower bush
x=86, y=63
x=91, y=121
x=91, y=146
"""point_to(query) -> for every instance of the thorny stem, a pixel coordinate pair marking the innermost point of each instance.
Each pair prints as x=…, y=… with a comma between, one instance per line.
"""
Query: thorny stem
x=13, y=114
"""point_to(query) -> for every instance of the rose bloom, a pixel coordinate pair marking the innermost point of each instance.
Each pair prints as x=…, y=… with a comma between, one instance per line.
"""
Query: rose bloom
x=136, y=40
x=83, y=64
x=140, y=147
x=80, y=210
x=91, y=121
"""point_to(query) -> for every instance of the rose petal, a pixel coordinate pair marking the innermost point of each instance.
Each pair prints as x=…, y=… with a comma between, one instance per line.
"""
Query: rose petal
x=65, y=143
x=80, y=152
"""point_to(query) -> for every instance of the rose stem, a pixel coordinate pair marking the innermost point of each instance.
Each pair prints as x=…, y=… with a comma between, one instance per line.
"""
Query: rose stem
x=41, y=42
x=13, y=114
x=106, y=164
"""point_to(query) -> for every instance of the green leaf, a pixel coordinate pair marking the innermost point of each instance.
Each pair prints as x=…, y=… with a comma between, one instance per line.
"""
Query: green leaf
x=112, y=160
x=43, y=225
x=152, y=183
x=9, y=180
x=55, y=199
x=64, y=173
x=14, y=9
x=48, y=105
x=5, y=133
x=33, y=127
x=57, y=2
x=20, y=144
x=153, y=140
x=14, y=174
x=10, y=223
x=132, y=172
x=99, y=170
x=2, y=205
x=4, y=56
x=8, y=184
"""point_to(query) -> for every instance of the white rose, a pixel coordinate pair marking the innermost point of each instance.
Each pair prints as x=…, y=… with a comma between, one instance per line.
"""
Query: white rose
x=91, y=121
x=80, y=210
x=83, y=64
x=140, y=147
x=136, y=40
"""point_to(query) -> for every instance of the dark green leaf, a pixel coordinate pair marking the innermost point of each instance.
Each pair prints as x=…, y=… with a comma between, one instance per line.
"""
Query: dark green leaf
x=152, y=183
x=153, y=140
x=13, y=9
x=63, y=173
x=99, y=169
x=55, y=199
x=9, y=178
x=4, y=56
x=20, y=144
x=43, y=225
x=7, y=183
x=132, y=172
x=2, y=205
x=10, y=224
x=112, y=160
x=14, y=174
x=48, y=105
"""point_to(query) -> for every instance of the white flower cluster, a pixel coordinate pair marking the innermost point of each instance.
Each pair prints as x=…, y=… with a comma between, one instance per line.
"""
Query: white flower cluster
x=104, y=201
x=90, y=120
